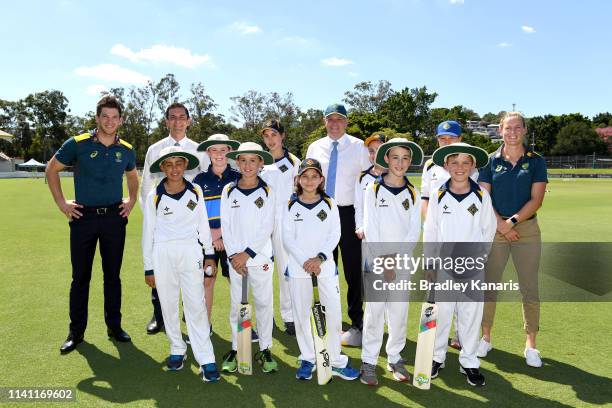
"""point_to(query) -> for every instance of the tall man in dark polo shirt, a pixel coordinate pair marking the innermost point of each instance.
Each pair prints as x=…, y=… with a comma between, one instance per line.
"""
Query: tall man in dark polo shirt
x=99, y=213
x=343, y=158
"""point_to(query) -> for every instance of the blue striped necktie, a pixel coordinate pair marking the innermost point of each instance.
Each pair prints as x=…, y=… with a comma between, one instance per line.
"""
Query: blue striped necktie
x=330, y=185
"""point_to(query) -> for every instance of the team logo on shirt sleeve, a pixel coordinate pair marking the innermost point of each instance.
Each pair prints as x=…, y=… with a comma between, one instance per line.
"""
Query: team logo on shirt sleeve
x=259, y=202
x=406, y=204
x=472, y=209
x=322, y=215
x=191, y=205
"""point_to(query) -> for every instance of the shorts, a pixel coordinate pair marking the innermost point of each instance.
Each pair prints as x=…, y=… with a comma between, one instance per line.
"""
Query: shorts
x=221, y=256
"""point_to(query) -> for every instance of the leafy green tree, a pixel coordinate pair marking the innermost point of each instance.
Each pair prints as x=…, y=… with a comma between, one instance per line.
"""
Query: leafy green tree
x=491, y=117
x=47, y=110
x=577, y=138
x=367, y=97
x=249, y=109
x=408, y=110
x=603, y=119
x=205, y=121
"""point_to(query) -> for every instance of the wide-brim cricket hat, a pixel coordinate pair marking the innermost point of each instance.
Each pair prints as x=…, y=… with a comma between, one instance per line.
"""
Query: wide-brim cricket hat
x=417, y=152
x=449, y=128
x=480, y=156
x=174, y=151
x=310, y=164
x=218, y=139
x=251, y=148
x=375, y=137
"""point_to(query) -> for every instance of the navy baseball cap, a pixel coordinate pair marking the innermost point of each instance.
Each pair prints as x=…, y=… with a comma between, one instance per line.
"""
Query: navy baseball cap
x=337, y=109
x=310, y=164
x=449, y=128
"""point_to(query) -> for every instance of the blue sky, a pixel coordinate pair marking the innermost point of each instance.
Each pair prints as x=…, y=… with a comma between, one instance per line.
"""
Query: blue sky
x=545, y=56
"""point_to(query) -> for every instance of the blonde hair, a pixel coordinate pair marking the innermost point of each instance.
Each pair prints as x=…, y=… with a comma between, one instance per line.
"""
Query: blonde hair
x=512, y=115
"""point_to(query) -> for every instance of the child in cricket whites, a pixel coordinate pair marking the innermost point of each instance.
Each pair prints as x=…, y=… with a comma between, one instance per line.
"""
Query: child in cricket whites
x=175, y=231
x=392, y=225
x=247, y=221
x=280, y=177
x=448, y=132
x=460, y=211
x=217, y=175
x=366, y=177
x=311, y=231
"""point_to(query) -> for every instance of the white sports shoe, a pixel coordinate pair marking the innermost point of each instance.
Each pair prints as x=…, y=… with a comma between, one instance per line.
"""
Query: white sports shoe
x=533, y=357
x=483, y=348
x=351, y=337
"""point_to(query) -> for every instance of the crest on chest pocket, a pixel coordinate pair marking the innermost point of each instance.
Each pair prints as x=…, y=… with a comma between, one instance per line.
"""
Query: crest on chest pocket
x=191, y=205
x=259, y=202
x=322, y=215
x=472, y=209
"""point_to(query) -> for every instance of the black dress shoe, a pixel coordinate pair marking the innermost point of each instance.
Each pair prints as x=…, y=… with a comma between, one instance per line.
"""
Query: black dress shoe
x=71, y=343
x=153, y=327
x=119, y=334
x=290, y=328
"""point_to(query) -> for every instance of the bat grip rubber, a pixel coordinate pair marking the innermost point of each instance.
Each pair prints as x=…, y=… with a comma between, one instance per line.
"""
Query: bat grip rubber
x=314, y=280
x=245, y=290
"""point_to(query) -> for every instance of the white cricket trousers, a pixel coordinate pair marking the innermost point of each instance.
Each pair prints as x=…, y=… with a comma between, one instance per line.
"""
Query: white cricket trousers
x=467, y=326
x=260, y=280
x=177, y=266
x=329, y=295
x=375, y=315
x=281, y=258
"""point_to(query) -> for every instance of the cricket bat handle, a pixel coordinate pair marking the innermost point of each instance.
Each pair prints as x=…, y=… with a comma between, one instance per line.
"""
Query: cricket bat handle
x=245, y=290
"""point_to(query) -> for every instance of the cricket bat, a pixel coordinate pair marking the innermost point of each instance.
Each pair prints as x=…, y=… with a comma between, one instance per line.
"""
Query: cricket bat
x=244, y=353
x=425, y=344
x=319, y=334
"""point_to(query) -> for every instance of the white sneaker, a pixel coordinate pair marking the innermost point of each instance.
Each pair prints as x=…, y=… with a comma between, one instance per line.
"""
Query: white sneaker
x=533, y=357
x=351, y=338
x=483, y=348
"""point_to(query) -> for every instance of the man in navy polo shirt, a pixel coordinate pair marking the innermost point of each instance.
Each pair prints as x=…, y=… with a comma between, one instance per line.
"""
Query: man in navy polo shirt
x=99, y=213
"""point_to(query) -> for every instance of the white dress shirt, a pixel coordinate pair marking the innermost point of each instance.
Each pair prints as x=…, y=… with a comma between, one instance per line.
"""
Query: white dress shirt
x=150, y=180
x=352, y=160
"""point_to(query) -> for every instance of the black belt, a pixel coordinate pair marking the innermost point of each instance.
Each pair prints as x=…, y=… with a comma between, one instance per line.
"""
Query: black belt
x=111, y=209
x=530, y=218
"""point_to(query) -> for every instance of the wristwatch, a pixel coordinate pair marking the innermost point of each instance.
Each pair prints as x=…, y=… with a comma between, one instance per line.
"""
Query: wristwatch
x=514, y=220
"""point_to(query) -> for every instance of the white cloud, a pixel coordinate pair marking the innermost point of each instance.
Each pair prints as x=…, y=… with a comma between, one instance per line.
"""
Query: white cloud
x=457, y=1
x=96, y=89
x=163, y=53
x=528, y=30
x=353, y=74
x=245, y=28
x=336, y=62
x=113, y=73
x=504, y=45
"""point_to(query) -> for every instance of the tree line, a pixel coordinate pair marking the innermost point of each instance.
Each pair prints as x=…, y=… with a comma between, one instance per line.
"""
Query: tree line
x=41, y=121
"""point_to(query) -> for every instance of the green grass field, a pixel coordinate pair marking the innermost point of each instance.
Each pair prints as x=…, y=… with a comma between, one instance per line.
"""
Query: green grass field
x=35, y=273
